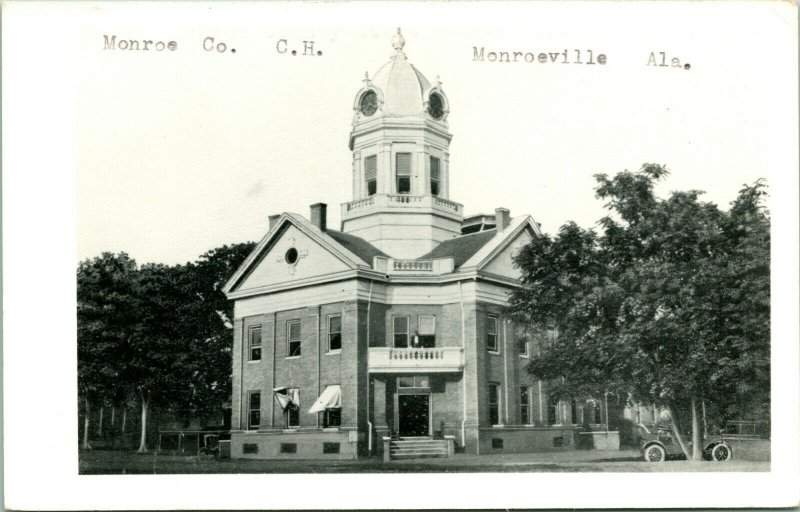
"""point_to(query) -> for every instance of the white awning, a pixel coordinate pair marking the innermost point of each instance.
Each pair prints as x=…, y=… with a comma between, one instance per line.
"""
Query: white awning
x=331, y=398
x=286, y=396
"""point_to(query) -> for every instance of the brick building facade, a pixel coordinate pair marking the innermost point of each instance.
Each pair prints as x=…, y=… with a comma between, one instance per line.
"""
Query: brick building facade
x=394, y=326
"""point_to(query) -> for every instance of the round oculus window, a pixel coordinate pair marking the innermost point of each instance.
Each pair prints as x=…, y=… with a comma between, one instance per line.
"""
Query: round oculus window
x=291, y=256
x=369, y=103
x=436, y=106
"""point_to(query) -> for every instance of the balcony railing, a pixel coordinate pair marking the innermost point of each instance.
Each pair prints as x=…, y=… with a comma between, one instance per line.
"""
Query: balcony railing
x=410, y=360
x=413, y=267
x=392, y=201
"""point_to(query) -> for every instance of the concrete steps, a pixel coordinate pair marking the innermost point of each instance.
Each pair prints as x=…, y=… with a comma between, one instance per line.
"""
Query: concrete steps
x=417, y=448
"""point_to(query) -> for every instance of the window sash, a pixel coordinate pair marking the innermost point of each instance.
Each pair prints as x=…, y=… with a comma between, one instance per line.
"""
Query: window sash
x=522, y=347
x=427, y=325
x=525, y=404
x=254, y=341
x=293, y=411
x=293, y=336
x=491, y=333
x=335, y=332
x=400, y=331
x=494, y=404
x=254, y=409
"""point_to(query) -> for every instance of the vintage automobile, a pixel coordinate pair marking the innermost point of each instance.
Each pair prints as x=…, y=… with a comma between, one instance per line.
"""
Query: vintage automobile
x=657, y=446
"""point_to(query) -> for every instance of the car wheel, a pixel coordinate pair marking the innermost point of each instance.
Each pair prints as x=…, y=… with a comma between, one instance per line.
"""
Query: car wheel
x=721, y=452
x=655, y=453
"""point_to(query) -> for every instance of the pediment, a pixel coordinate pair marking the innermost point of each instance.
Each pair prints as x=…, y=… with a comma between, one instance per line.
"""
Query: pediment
x=502, y=263
x=290, y=255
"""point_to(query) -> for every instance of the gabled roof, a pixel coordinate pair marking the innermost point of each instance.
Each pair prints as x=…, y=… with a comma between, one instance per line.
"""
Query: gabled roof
x=358, y=246
x=486, y=252
x=461, y=248
x=350, y=249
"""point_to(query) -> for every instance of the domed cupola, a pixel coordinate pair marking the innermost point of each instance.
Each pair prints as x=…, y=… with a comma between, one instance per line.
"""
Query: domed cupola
x=398, y=89
x=401, y=170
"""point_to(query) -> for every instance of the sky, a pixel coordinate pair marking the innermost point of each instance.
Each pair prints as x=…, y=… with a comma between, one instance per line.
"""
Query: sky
x=180, y=152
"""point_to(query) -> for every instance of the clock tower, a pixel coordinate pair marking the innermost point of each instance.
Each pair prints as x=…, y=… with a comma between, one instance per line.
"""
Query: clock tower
x=400, y=143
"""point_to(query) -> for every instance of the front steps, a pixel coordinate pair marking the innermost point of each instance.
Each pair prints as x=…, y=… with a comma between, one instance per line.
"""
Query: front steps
x=417, y=448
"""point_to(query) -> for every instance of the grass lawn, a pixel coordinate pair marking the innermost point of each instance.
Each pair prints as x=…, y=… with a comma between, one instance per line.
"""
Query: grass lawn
x=120, y=462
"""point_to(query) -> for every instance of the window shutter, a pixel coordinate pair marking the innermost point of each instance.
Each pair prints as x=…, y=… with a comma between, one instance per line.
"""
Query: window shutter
x=434, y=168
x=426, y=325
x=403, y=164
x=371, y=167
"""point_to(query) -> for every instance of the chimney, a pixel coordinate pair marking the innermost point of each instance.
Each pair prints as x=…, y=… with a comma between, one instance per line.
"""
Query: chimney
x=502, y=218
x=273, y=219
x=319, y=215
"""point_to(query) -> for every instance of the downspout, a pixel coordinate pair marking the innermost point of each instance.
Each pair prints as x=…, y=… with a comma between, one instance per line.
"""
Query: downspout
x=463, y=373
x=369, y=423
x=505, y=366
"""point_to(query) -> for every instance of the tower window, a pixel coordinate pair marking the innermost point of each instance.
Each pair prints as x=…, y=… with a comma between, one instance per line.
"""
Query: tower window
x=403, y=172
x=293, y=337
x=434, y=176
x=371, y=174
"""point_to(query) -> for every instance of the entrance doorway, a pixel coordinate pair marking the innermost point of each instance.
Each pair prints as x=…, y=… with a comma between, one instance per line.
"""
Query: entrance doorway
x=414, y=415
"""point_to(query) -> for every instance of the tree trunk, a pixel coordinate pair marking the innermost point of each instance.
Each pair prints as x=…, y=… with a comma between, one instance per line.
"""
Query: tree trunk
x=85, y=445
x=113, y=409
x=677, y=430
x=697, y=440
x=143, y=439
x=100, y=425
x=124, y=418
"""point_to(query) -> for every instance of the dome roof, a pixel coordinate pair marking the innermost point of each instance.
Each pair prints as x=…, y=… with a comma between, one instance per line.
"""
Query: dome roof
x=404, y=88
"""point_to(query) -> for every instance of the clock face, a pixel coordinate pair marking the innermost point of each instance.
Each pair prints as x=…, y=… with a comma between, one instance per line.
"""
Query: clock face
x=436, y=106
x=369, y=103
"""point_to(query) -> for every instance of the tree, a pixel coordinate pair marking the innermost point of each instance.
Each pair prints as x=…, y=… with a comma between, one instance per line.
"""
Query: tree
x=669, y=304
x=106, y=316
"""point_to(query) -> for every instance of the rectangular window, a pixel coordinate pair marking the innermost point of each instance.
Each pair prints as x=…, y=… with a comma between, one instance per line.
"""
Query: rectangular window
x=293, y=413
x=400, y=330
x=335, y=332
x=494, y=404
x=551, y=333
x=249, y=448
x=525, y=405
x=427, y=331
x=288, y=447
x=332, y=418
x=497, y=444
x=434, y=176
x=293, y=337
x=331, y=447
x=552, y=412
x=371, y=174
x=522, y=347
x=414, y=381
x=254, y=410
x=254, y=341
x=402, y=171
x=491, y=333
x=573, y=412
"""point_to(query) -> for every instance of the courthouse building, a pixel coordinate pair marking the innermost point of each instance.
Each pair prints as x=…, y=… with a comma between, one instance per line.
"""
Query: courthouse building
x=389, y=336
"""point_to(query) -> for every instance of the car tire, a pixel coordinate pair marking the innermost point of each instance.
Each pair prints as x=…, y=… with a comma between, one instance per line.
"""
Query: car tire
x=655, y=453
x=721, y=453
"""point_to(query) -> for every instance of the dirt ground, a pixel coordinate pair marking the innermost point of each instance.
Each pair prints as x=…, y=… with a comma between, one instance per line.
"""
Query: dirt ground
x=118, y=462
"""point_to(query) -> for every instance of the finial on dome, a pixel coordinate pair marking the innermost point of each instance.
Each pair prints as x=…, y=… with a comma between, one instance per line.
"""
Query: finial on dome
x=398, y=42
x=438, y=81
x=366, y=77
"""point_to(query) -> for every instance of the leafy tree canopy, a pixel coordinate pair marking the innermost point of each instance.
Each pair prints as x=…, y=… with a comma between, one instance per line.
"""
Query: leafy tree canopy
x=668, y=301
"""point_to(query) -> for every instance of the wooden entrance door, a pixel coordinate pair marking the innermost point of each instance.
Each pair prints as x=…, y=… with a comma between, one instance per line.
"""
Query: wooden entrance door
x=414, y=415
